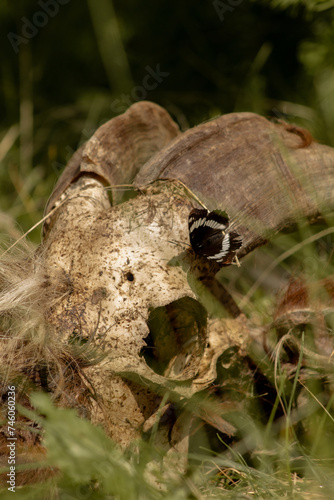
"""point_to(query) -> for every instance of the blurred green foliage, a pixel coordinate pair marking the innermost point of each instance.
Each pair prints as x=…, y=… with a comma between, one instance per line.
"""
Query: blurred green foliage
x=68, y=66
x=87, y=464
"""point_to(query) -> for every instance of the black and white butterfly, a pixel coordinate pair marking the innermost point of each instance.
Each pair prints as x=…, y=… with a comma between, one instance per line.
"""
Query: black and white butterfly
x=210, y=237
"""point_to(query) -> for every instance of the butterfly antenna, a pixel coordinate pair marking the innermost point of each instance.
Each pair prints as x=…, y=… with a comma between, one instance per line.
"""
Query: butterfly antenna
x=192, y=194
x=179, y=243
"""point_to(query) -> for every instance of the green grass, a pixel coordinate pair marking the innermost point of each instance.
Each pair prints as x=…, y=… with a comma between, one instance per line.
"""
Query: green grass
x=278, y=465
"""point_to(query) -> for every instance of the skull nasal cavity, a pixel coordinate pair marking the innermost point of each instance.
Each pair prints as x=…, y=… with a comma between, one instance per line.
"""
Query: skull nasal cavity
x=174, y=328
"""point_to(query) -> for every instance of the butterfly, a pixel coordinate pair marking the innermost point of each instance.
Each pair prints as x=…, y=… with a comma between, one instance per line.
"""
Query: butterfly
x=210, y=237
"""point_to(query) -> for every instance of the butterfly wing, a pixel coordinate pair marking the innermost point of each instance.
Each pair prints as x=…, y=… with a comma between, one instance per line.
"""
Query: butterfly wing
x=206, y=231
x=230, y=244
x=209, y=237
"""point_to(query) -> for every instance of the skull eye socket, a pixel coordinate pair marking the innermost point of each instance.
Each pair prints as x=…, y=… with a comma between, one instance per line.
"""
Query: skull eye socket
x=177, y=337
